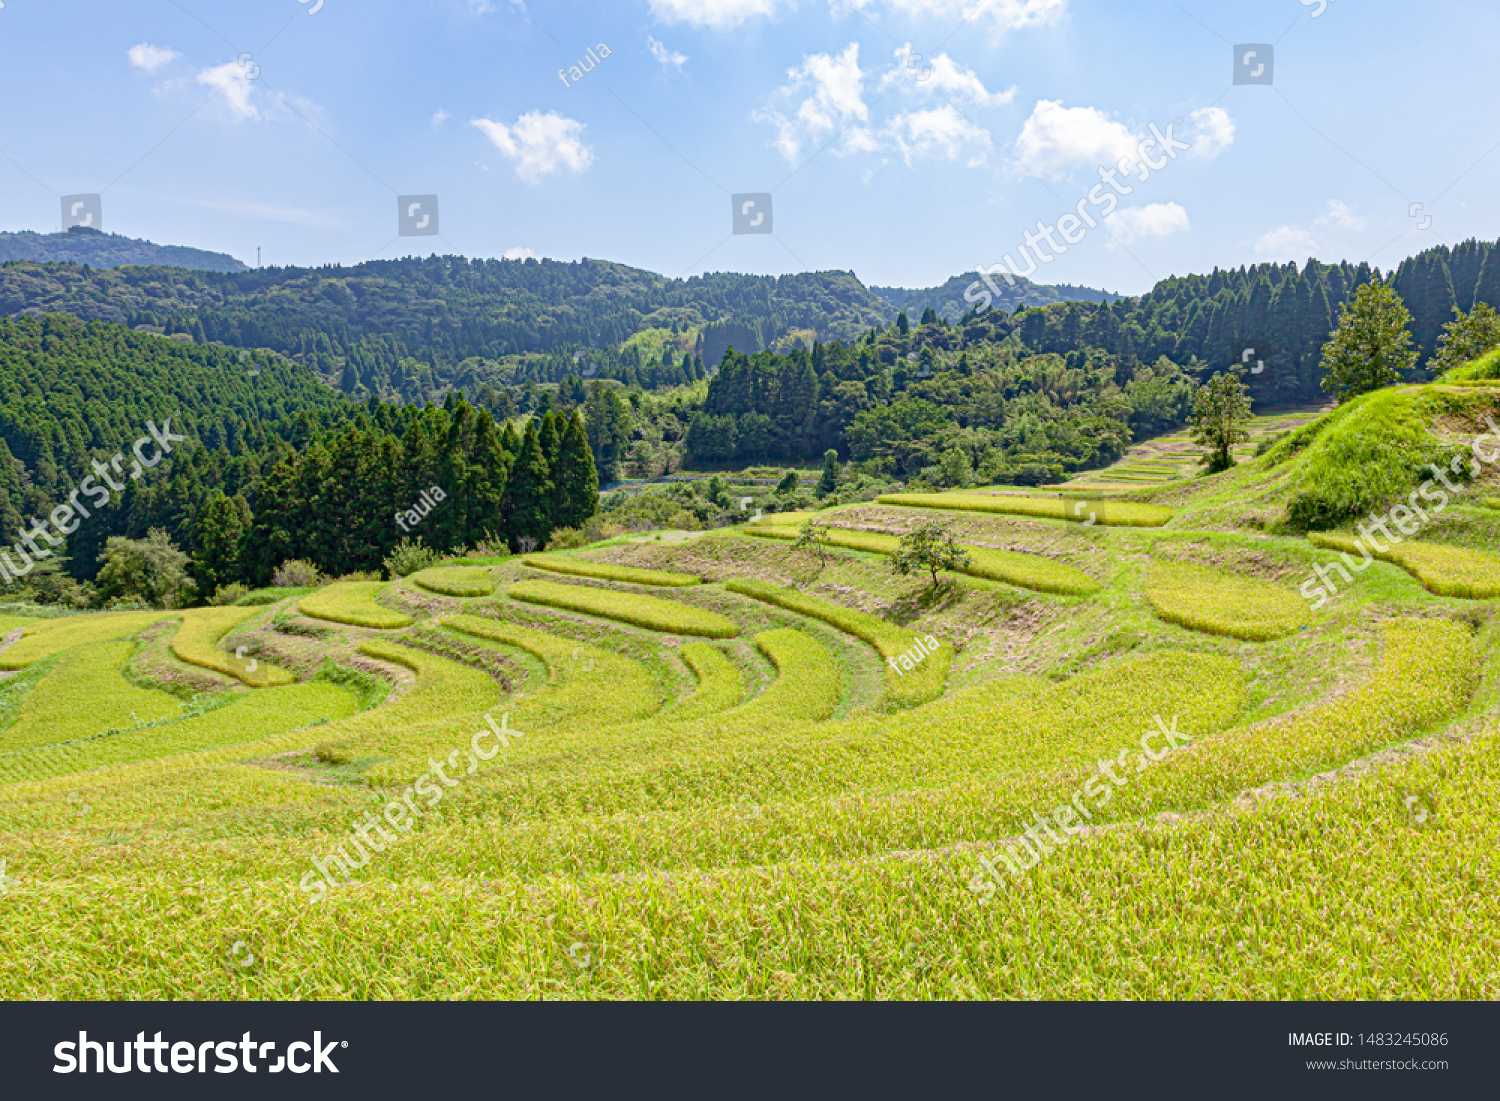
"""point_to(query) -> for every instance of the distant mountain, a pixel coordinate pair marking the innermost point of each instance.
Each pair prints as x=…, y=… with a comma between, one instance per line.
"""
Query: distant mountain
x=950, y=304
x=415, y=327
x=110, y=250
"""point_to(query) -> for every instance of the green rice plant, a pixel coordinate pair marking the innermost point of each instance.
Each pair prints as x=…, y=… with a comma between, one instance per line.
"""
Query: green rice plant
x=9, y=623
x=353, y=603
x=84, y=693
x=720, y=685
x=903, y=688
x=1443, y=570
x=52, y=636
x=808, y=684
x=1029, y=571
x=1491, y=502
x=649, y=612
x=1119, y=513
x=604, y=571
x=463, y=581
x=195, y=643
x=251, y=716
x=586, y=685
x=1220, y=602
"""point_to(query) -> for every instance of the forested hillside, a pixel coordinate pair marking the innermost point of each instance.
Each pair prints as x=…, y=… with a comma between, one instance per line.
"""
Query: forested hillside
x=948, y=301
x=109, y=250
x=411, y=329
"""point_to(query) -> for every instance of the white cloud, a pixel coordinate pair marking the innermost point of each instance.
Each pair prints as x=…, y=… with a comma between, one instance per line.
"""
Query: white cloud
x=233, y=83
x=942, y=133
x=718, y=14
x=1153, y=220
x=1213, y=131
x=1057, y=139
x=516, y=252
x=668, y=58
x=942, y=74
x=836, y=100
x=440, y=116
x=149, y=58
x=1341, y=214
x=1286, y=243
x=1004, y=15
x=541, y=144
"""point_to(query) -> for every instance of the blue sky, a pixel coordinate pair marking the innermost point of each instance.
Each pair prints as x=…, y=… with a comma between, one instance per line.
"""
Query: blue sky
x=905, y=171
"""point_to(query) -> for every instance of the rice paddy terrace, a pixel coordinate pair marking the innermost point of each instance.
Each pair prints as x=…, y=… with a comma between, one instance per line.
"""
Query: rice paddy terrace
x=727, y=767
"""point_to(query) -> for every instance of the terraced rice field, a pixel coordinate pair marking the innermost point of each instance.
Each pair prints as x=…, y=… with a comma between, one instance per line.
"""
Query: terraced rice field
x=1447, y=571
x=1120, y=514
x=1029, y=571
x=353, y=603
x=725, y=788
x=455, y=581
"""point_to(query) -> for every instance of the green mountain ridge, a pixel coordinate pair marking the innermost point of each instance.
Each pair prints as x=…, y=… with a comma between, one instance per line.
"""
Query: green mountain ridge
x=110, y=250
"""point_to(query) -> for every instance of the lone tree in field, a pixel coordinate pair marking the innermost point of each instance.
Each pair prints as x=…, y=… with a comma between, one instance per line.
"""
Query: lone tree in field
x=932, y=548
x=830, y=479
x=812, y=536
x=1468, y=336
x=1371, y=346
x=1220, y=412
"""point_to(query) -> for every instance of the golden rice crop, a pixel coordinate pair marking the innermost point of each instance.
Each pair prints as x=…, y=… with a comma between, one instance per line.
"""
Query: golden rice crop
x=1220, y=602
x=1444, y=570
x=195, y=642
x=650, y=612
x=605, y=571
x=1116, y=514
x=353, y=602
x=903, y=688
x=463, y=581
x=46, y=637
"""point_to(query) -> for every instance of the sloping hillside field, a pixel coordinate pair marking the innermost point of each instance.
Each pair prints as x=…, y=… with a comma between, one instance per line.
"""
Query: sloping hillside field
x=1186, y=752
